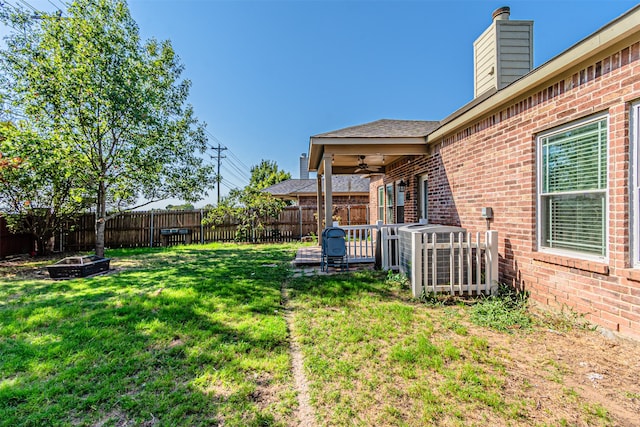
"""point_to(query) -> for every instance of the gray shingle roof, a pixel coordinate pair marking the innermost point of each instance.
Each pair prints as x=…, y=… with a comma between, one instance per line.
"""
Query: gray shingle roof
x=384, y=128
x=339, y=184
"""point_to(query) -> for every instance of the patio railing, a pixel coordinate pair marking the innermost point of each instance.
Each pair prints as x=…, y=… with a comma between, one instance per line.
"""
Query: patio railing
x=465, y=264
x=361, y=243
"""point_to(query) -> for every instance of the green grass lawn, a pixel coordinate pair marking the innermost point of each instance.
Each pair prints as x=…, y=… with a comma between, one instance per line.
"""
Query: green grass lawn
x=197, y=335
x=189, y=335
x=375, y=357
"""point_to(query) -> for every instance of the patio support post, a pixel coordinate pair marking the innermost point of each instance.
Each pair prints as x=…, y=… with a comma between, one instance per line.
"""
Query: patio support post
x=300, y=220
x=328, y=195
x=319, y=195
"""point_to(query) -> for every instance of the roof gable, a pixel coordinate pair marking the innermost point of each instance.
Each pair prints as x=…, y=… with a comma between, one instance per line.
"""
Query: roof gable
x=384, y=128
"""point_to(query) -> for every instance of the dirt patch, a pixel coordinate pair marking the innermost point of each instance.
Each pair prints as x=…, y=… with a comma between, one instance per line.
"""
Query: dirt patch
x=571, y=375
x=577, y=376
x=27, y=267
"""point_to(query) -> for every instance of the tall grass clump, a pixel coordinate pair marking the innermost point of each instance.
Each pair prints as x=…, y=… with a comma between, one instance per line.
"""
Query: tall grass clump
x=504, y=311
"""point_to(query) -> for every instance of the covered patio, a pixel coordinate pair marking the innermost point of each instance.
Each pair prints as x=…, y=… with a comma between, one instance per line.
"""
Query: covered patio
x=365, y=149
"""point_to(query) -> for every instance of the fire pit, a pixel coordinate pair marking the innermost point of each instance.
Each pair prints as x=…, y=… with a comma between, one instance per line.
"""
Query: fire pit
x=78, y=266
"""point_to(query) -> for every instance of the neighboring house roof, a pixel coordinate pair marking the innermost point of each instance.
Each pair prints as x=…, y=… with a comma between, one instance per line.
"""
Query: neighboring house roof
x=340, y=184
x=384, y=128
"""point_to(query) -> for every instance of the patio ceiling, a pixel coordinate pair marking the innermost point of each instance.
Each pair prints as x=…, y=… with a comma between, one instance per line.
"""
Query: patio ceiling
x=363, y=149
x=376, y=144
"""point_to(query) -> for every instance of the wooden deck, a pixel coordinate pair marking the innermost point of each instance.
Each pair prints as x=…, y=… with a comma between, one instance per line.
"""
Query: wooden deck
x=311, y=255
x=308, y=255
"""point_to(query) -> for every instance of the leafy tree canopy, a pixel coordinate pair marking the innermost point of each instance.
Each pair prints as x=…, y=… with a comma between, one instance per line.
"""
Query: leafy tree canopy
x=266, y=174
x=250, y=205
x=38, y=193
x=91, y=87
x=182, y=207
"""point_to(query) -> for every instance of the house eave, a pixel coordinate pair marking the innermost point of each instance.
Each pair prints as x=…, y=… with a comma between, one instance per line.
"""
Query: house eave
x=318, y=146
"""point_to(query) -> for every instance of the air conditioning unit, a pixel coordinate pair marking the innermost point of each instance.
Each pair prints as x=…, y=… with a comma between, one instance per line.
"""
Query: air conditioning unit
x=443, y=256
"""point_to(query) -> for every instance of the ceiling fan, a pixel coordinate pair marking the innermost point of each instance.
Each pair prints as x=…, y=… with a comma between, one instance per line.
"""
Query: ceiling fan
x=363, y=167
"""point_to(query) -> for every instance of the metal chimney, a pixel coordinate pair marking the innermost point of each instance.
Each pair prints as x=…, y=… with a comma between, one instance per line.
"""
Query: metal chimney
x=501, y=13
x=304, y=166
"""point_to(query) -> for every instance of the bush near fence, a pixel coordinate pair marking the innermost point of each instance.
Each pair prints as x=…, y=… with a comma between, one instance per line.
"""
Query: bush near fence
x=142, y=229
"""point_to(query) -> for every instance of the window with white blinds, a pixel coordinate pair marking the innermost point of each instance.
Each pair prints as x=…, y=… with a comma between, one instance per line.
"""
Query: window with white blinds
x=381, y=203
x=572, y=186
x=390, y=203
x=635, y=183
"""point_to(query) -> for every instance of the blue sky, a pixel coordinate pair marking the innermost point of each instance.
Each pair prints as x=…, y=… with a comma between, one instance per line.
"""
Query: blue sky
x=266, y=75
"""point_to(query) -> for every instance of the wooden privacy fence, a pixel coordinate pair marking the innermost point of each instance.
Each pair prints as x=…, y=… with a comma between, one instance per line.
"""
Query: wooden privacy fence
x=12, y=244
x=152, y=228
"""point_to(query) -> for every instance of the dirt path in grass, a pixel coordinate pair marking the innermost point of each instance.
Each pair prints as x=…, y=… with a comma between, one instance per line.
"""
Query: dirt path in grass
x=305, y=413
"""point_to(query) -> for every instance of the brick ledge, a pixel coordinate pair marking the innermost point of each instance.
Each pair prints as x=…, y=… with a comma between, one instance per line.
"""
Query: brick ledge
x=631, y=274
x=580, y=264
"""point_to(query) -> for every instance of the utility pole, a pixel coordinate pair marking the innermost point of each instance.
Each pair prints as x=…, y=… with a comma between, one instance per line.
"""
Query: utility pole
x=219, y=149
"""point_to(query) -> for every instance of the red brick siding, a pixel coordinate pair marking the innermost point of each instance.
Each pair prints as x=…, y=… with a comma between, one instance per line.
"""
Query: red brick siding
x=492, y=163
x=374, y=182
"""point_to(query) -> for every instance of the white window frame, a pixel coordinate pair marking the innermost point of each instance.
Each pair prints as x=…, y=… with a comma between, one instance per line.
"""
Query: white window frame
x=381, y=200
x=389, y=204
x=539, y=194
x=399, y=202
x=423, y=196
x=634, y=184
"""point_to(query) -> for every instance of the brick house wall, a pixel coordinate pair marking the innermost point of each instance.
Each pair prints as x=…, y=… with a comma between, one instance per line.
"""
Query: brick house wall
x=492, y=163
x=374, y=182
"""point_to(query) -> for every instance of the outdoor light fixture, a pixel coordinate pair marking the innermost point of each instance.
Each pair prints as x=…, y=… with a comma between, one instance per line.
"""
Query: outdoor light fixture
x=402, y=185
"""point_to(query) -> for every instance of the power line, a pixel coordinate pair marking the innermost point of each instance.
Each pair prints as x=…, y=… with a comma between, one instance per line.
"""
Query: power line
x=233, y=174
x=56, y=6
x=240, y=161
x=245, y=175
x=229, y=186
x=231, y=153
x=29, y=6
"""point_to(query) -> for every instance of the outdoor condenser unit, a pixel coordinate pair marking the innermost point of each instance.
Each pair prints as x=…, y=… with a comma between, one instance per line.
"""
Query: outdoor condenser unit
x=443, y=256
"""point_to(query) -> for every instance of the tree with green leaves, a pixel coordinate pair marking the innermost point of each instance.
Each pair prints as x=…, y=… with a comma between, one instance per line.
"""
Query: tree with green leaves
x=267, y=174
x=118, y=105
x=38, y=193
x=182, y=207
x=251, y=206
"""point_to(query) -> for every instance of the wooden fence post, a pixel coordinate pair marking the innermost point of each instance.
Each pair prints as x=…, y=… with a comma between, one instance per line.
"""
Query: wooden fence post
x=151, y=230
x=201, y=227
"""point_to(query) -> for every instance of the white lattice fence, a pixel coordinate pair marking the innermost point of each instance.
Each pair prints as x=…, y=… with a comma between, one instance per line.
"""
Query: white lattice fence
x=466, y=264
